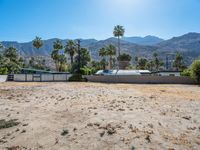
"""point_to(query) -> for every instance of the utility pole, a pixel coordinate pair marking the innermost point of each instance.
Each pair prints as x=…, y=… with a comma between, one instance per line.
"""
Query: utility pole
x=79, y=55
x=167, y=62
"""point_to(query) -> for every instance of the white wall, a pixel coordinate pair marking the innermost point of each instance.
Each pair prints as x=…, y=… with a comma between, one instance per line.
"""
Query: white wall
x=43, y=78
x=3, y=78
x=177, y=74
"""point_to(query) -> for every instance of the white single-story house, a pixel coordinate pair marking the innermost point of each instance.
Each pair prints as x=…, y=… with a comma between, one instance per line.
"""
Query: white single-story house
x=123, y=72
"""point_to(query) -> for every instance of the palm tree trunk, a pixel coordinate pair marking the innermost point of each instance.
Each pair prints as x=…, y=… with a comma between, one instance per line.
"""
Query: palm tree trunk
x=110, y=62
x=72, y=60
x=119, y=53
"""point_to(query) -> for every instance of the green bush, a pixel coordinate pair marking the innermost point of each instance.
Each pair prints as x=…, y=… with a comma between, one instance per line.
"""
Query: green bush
x=186, y=72
x=77, y=78
x=195, y=70
x=3, y=71
x=87, y=71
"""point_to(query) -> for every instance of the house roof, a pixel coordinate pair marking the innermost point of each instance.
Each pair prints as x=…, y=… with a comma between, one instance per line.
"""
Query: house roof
x=42, y=71
x=122, y=72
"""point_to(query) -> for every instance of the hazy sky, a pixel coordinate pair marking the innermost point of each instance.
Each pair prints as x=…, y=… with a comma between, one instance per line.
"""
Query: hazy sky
x=22, y=20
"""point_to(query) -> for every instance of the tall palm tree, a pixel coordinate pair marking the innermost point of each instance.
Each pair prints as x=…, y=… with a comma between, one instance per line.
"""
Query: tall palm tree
x=71, y=49
x=55, y=57
x=111, y=51
x=57, y=46
x=37, y=42
x=178, y=63
x=119, y=32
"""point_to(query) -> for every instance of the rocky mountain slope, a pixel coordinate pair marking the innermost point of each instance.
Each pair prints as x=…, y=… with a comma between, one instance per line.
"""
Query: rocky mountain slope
x=188, y=45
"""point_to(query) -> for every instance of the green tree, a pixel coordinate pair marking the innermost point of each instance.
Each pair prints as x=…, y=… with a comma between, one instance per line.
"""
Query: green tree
x=111, y=51
x=38, y=63
x=62, y=63
x=12, y=61
x=157, y=62
x=125, y=57
x=37, y=42
x=124, y=61
x=179, y=63
x=119, y=32
x=195, y=70
x=186, y=72
x=142, y=63
x=71, y=49
x=150, y=65
x=84, y=59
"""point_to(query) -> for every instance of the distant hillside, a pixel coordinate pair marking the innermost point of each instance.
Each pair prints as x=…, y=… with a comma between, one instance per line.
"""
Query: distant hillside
x=188, y=45
x=126, y=47
x=27, y=49
x=148, y=40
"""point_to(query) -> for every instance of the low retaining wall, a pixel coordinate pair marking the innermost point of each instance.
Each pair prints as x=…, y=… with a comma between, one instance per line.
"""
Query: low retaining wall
x=141, y=79
x=41, y=77
x=3, y=78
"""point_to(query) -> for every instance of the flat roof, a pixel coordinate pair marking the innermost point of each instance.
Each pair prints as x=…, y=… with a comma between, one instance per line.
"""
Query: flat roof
x=44, y=71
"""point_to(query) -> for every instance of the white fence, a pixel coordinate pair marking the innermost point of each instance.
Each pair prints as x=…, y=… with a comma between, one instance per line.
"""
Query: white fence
x=41, y=77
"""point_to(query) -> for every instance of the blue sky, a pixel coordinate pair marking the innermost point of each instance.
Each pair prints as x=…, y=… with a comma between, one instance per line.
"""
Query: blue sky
x=22, y=20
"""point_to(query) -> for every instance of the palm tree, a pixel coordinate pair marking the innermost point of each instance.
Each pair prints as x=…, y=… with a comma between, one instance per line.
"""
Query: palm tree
x=119, y=32
x=55, y=57
x=178, y=63
x=103, y=54
x=57, y=45
x=111, y=51
x=37, y=42
x=71, y=49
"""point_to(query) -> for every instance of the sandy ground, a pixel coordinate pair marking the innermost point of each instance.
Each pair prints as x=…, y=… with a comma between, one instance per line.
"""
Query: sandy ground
x=100, y=116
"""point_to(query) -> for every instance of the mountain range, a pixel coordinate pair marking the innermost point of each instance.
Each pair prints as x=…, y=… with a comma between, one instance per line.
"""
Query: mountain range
x=188, y=45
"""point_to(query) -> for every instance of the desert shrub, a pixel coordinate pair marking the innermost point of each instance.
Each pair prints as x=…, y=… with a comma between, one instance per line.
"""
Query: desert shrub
x=64, y=132
x=3, y=71
x=8, y=124
x=195, y=70
x=77, y=78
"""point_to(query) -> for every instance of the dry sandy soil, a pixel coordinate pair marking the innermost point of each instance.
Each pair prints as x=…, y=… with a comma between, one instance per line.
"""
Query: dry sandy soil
x=80, y=116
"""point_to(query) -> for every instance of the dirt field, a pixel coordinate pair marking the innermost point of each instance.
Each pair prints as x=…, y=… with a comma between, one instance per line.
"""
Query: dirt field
x=81, y=116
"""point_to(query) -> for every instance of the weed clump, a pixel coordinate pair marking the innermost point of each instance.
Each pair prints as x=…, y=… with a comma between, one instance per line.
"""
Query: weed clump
x=65, y=132
x=8, y=124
